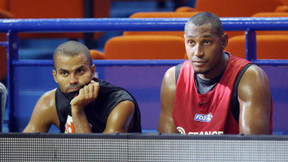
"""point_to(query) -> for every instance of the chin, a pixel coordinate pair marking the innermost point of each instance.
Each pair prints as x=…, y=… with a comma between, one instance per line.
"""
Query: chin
x=201, y=71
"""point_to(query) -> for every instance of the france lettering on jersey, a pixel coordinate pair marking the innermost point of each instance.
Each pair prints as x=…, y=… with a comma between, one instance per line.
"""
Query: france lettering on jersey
x=214, y=132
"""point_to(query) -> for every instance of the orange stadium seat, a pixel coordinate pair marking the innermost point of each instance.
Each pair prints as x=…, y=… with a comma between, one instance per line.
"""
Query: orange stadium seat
x=160, y=15
x=3, y=59
x=3, y=54
x=233, y=8
x=47, y=9
x=271, y=14
x=185, y=9
x=143, y=47
x=283, y=8
x=96, y=55
x=268, y=46
x=147, y=44
x=57, y=9
x=4, y=13
x=285, y=2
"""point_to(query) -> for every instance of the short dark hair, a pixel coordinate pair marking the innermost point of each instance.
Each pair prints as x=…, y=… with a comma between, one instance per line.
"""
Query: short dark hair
x=72, y=48
x=206, y=18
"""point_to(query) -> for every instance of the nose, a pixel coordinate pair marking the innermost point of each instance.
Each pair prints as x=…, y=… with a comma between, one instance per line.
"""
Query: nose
x=73, y=79
x=198, y=51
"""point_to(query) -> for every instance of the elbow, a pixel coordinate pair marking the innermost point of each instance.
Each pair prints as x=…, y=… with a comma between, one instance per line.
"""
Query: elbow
x=255, y=130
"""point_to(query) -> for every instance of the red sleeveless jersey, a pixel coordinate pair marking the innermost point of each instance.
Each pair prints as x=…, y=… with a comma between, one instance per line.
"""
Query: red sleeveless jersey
x=208, y=113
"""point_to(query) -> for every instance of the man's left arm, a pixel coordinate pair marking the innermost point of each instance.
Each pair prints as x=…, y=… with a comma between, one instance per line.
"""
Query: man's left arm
x=255, y=102
x=120, y=117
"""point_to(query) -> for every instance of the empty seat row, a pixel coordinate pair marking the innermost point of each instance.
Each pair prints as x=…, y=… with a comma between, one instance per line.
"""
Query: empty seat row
x=149, y=45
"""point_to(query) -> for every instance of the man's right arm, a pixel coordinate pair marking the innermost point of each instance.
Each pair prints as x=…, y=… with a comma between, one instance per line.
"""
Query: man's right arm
x=168, y=88
x=44, y=114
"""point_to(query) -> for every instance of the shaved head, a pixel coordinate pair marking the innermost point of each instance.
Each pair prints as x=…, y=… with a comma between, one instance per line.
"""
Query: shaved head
x=206, y=18
x=72, y=48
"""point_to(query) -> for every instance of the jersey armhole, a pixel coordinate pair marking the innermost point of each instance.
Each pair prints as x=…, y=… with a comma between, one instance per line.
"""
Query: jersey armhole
x=177, y=71
x=234, y=103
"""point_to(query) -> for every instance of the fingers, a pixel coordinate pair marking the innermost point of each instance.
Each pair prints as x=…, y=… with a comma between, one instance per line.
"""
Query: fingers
x=90, y=91
x=86, y=94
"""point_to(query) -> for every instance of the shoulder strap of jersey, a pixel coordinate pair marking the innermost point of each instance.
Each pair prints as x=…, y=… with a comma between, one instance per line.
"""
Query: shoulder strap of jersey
x=61, y=106
x=177, y=71
x=234, y=103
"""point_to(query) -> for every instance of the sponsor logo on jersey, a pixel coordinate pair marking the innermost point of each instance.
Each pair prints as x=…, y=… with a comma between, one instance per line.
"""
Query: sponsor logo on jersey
x=69, y=126
x=203, y=118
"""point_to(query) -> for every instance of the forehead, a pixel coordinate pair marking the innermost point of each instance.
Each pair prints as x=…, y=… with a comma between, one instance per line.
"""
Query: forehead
x=205, y=30
x=71, y=62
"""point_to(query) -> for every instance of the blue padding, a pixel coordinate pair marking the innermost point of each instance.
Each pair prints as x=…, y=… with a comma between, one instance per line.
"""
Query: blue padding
x=143, y=82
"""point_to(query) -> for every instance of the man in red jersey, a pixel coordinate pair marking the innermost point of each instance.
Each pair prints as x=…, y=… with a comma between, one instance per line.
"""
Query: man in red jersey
x=214, y=92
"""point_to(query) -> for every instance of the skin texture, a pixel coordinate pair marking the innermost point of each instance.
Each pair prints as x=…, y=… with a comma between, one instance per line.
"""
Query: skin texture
x=72, y=73
x=204, y=49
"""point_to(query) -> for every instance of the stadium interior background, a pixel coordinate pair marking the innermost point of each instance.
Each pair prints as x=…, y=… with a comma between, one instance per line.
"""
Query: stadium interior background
x=44, y=48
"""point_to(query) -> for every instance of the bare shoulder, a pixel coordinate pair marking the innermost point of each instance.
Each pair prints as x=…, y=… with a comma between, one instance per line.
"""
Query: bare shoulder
x=169, y=78
x=255, y=71
x=253, y=81
x=46, y=107
x=254, y=75
x=44, y=114
x=168, y=86
x=47, y=100
x=125, y=107
x=168, y=89
x=120, y=117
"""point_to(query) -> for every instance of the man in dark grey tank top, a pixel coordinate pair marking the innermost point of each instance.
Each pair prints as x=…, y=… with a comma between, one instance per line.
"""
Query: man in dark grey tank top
x=81, y=103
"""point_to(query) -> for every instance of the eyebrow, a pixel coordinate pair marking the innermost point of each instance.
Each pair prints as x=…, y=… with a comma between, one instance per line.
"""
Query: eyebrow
x=62, y=70
x=80, y=67
x=204, y=36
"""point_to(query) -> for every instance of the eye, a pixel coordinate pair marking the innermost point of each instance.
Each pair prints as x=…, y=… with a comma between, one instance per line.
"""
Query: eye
x=80, y=71
x=64, y=73
x=207, y=42
x=191, y=42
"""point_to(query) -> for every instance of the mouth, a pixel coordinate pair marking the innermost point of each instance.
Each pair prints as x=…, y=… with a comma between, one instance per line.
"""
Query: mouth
x=199, y=62
x=74, y=89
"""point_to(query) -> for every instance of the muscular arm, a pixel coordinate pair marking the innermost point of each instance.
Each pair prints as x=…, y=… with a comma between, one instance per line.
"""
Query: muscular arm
x=118, y=120
x=255, y=102
x=120, y=117
x=168, y=87
x=44, y=114
x=86, y=94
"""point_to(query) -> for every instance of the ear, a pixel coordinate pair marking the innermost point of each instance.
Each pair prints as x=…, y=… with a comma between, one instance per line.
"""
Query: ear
x=224, y=40
x=93, y=70
x=54, y=76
